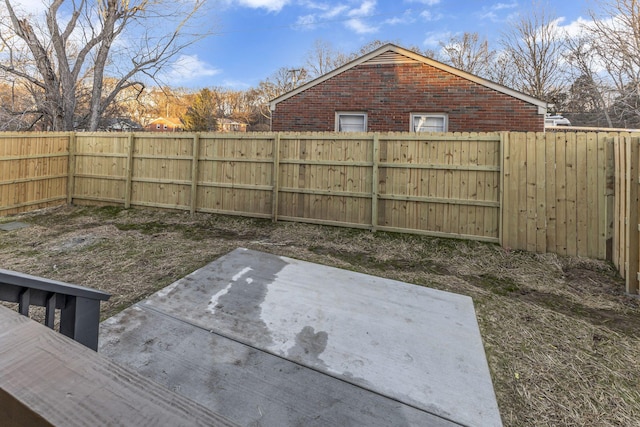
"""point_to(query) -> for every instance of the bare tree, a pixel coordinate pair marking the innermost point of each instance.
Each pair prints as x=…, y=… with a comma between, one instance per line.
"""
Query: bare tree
x=322, y=58
x=74, y=48
x=15, y=108
x=282, y=81
x=534, y=45
x=469, y=53
x=588, y=93
x=615, y=42
x=233, y=104
x=502, y=70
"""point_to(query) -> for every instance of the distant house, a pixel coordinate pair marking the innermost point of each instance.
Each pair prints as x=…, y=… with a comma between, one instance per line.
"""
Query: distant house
x=119, y=125
x=394, y=89
x=162, y=124
x=228, y=125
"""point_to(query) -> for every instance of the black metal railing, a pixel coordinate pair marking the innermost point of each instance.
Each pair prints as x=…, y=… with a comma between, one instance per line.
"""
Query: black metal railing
x=79, y=306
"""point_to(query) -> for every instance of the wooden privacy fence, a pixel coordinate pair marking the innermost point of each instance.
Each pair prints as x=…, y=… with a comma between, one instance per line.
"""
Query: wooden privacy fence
x=33, y=171
x=440, y=185
x=543, y=192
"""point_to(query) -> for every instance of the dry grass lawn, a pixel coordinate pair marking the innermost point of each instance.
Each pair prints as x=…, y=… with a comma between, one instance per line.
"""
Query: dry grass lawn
x=561, y=337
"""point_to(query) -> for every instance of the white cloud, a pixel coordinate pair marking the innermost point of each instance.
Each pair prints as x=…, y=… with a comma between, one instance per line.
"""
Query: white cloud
x=407, y=18
x=328, y=10
x=400, y=20
x=434, y=38
x=430, y=17
x=426, y=2
x=501, y=6
x=270, y=5
x=488, y=15
x=492, y=13
x=365, y=9
x=334, y=12
x=306, y=22
x=576, y=28
x=329, y=13
x=360, y=27
x=309, y=4
x=189, y=67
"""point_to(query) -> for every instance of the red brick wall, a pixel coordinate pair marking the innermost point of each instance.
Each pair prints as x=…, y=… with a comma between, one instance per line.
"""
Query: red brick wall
x=390, y=93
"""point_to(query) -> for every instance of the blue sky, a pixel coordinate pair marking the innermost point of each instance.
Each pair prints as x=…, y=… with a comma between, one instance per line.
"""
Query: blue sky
x=253, y=38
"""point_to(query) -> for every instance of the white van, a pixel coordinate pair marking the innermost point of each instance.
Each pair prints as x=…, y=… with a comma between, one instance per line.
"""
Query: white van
x=556, y=120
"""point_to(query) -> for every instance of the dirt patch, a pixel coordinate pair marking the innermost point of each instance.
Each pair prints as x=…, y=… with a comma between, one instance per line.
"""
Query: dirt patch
x=497, y=285
x=619, y=321
x=561, y=337
x=584, y=281
x=384, y=263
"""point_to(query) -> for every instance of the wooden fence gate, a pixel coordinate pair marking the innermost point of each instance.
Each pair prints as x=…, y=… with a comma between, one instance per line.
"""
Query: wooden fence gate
x=626, y=241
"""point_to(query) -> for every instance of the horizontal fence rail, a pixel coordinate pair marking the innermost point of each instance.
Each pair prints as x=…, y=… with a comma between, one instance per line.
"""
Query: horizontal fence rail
x=79, y=306
x=544, y=192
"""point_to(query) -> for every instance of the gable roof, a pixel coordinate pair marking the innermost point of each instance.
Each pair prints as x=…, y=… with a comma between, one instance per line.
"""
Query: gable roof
x=392, y=54
x=171, y=121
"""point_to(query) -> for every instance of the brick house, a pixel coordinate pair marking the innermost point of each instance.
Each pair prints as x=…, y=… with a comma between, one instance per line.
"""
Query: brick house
x=393, y=89
x=229, y=125
x=162, y=124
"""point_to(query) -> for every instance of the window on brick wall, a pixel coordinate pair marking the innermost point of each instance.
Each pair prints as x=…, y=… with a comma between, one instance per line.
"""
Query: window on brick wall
x=351, y=122
x=429, y=122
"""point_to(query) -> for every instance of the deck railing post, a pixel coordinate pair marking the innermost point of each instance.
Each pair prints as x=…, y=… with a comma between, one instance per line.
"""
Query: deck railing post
x=80, y=320
x=23, y=302
x=50, y=311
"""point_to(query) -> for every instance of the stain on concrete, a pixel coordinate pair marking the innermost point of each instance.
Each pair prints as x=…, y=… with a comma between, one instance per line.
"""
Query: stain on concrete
x=239, y=303
x=309, y=346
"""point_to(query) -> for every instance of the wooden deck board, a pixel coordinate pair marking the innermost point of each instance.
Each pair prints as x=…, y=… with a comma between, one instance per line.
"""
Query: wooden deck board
x=45, y=376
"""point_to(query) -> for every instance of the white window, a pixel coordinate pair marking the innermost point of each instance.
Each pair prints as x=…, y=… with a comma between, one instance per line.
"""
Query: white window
x=158, y=126
x=351, y=122
x=428, y=122
x=165, y=127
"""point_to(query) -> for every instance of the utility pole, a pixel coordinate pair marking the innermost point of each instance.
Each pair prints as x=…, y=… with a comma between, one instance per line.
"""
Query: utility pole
x=295, y=75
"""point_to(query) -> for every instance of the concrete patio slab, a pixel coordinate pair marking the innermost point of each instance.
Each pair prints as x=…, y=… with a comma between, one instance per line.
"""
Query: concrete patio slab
x=13, y=225
x=270, y=340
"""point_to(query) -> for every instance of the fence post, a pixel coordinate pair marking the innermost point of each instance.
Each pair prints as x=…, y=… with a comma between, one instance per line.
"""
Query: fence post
x=504, y=152
x=606, y=184
x=194, y=172
x=632, y=226
x=71, y=167
x=374, y=181
x=128, y=190
x=619, y=232
x=275, y=177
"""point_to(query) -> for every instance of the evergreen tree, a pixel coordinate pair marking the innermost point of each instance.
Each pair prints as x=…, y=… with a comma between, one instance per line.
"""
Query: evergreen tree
x=201, y=115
